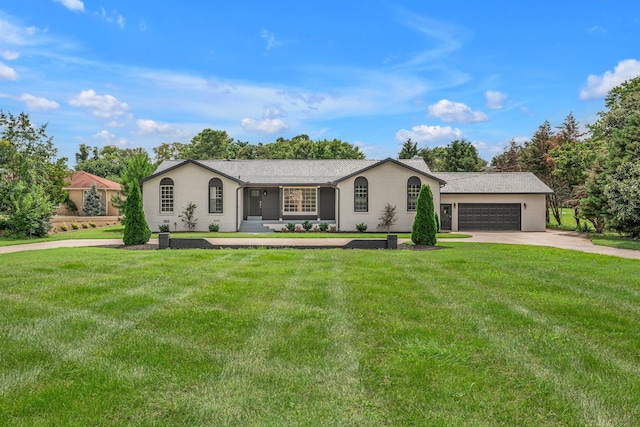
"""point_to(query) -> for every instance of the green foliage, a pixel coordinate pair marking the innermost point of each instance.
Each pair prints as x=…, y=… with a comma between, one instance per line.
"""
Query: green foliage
x=462, y=156
x=388, y=216
x=74, y=225
x=307, y=225
x=163, y=228
x=64, y=227
x=409, y=150
x=28, y=211
x=136, y=230
x=291, y=227
x=434, y=158
x=208, y=144
x=623, y=194
x=189, y=216
x=92, y=204
x=30, y=176
x=509, y=159
x=362, y=227
x=166, y=151
x=138, y=166
x=424, y=224
x=214, y=227
x=323, y=226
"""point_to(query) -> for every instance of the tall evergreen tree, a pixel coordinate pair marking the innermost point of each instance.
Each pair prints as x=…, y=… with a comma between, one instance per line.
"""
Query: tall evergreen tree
x=409, y=150
x=136, y=229
x=424, y=225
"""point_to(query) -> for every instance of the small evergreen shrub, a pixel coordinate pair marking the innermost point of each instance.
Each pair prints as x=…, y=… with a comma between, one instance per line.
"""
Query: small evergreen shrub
x=291, y=227
x=214, y=227
x=307, y=225
x=323, y=226
x=74, y=225
x=164, y=228
x=64, y=226
x=92, y=204
x=92, y=224
x=84, y=224
x=362, y=227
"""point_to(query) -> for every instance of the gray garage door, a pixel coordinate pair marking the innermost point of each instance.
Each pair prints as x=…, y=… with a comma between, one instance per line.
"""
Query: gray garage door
x=489, y=216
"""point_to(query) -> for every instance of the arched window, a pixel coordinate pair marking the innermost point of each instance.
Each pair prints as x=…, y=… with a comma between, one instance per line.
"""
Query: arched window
x=215, y=195
x=413, y=188
x=166, y=195
x=361, y=194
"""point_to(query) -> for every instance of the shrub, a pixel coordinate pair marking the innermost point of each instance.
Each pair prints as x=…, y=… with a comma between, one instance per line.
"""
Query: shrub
x=84, y=224
x=307, y=225
x=214, y=227
x=298, y=229
x=164, y=228
x=388, y=217
x=136, y=230
x=92, y=224
x=323, y=226
x=64, y=226
x=284, y=229
x=74, y=225
x=583, y=227
x=316, y=229
x=362, y=227
x=55, y=230
x=92, y=204
x=291, y=227
x=332, y=229
x=424, y=224
x=189, y=216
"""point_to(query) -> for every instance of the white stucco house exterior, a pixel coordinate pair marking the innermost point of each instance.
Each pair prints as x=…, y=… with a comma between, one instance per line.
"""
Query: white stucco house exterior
x=258, y=195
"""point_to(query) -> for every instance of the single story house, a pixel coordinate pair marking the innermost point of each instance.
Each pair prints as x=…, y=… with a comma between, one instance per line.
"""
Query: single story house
x=81, y=182
x=253, y=195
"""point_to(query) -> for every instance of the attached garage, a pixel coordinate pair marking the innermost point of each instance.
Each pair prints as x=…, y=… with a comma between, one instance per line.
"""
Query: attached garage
x=489, y=201
x=489, y=217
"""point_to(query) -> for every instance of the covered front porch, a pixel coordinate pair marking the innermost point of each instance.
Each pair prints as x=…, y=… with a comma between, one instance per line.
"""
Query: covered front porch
x=276, y=206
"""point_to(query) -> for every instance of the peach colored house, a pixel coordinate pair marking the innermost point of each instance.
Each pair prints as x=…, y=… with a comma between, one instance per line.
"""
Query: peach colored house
x=263, y=195
x=81, y=182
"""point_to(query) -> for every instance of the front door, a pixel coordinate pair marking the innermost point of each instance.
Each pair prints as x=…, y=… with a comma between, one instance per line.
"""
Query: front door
x=445, y=217
x=255, y=202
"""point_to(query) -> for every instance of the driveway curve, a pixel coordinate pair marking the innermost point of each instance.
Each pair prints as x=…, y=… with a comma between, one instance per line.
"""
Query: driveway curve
x=552, y=238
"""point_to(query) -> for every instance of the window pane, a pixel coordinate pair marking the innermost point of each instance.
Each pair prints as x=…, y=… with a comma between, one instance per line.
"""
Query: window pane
x=361, y=198
x=300, y=200
x=215, y=199
x=166, y=198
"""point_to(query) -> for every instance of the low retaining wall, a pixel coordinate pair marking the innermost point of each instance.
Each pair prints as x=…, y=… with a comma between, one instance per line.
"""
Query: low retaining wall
x=166, y=242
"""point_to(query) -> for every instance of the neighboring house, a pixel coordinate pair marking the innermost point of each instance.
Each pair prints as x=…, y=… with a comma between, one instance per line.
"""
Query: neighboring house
x=242, y=194
x=81, y=182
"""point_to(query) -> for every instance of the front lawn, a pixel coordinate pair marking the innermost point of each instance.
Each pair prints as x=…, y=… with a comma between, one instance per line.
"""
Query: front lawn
x=473, y=334
x=117, y=231
x=614, y=241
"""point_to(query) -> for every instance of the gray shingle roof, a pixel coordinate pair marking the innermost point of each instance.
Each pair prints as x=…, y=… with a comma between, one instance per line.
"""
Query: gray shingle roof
x=312, y=172
x=492, y=183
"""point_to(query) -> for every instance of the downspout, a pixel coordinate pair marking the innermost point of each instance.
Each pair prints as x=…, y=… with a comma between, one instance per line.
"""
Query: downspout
x=338, y=205
x=238, y=207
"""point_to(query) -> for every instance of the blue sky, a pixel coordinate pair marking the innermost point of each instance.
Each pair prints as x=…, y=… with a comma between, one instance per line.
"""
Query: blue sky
x=374, y=73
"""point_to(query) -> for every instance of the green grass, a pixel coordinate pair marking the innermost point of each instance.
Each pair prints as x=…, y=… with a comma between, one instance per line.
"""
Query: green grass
x=117, y=231
x=615, y=241
x=474, y=334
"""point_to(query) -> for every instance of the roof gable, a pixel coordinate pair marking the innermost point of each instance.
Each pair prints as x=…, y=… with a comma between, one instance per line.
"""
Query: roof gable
x=82, y=179
x=292, y=172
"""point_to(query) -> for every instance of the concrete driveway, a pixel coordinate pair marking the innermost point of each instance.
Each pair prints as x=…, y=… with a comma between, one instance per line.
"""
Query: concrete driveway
x=553, y=238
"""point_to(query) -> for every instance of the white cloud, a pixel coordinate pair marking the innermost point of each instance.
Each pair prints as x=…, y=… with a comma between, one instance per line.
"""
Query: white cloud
x=105, y=106
x=9, y=55
x=7, y=72
x=599, y=86
x=153, y=127
x=264, y=125
x=432, y=135
x=495, y=99
x=72, y=4
x=38, y=104
x=271, y=40
x=449, y=111
x=112, y=17
x=110, y=139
